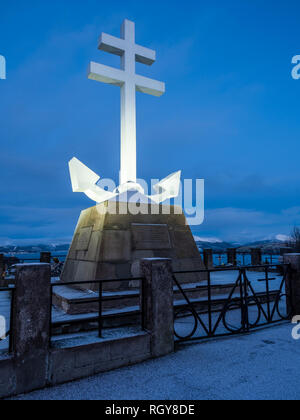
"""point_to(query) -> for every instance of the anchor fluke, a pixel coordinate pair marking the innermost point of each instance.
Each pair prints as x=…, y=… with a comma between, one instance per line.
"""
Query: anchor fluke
x=81, y=176
x=84, y=180
x=167, y=188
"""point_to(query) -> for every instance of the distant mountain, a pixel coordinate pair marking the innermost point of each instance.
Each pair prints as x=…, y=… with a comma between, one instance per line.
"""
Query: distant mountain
x=33, y=248
x=215, y=246
x=267, y=246
x=272, y=246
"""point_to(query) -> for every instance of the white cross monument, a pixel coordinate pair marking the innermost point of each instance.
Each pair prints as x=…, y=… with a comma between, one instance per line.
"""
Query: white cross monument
x=129, y=82
x=83, y=179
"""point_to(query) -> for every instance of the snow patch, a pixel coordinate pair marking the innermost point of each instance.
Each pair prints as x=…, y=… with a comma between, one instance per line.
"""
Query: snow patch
x=283, y=238
x=210, y=240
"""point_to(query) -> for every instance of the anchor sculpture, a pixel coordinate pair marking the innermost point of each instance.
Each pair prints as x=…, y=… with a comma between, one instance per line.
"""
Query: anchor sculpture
x=83, y=179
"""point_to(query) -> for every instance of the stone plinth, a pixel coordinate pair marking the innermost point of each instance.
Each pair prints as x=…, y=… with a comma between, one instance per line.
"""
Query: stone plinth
x=107, y=245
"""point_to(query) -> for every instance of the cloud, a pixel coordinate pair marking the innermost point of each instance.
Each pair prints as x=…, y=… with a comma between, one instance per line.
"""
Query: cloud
x=27, y=224
x=245, y=225
x=21, y=225
x=207, y=124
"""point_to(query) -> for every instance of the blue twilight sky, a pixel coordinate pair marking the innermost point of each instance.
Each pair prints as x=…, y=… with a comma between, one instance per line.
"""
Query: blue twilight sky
x=230, y=115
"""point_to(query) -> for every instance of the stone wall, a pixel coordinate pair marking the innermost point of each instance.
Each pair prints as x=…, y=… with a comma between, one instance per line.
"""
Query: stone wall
x=34, y=364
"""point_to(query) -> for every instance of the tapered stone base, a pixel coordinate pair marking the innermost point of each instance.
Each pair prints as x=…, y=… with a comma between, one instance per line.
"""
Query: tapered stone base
x=107, y=245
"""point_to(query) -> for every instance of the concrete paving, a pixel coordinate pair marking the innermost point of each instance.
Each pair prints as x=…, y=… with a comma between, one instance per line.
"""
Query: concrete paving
x=262, y=365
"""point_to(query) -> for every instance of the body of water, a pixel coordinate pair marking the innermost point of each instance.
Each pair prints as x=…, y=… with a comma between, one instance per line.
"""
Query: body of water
x=32, y=257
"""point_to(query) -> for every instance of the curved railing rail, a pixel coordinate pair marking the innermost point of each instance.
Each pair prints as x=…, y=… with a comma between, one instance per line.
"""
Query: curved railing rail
x=248, y=305
x=100, y=299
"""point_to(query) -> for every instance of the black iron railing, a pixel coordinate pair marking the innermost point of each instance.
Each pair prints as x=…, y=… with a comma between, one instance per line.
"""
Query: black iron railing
x=56, y=262
x=243, y=258
x=253, y=299
x=10, y=261
x=101, y=299
x=245, y=306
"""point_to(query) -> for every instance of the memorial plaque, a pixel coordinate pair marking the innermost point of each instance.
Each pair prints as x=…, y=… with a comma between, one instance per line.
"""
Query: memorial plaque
x=84, y=238
x=150, y=237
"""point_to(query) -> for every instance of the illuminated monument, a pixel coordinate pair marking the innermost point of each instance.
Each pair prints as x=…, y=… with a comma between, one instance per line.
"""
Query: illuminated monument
x=109, y=242
x=83, y=179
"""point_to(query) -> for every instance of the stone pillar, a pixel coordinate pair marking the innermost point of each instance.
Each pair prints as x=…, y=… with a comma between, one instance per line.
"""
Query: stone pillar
x=208, y=258
x=31, y=325
x=293, y=283
x=45, y=257
x=256, y=256
x=231, y=256
x=158, y=302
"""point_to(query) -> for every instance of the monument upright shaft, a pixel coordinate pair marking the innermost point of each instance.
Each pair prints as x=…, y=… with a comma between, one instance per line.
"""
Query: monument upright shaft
x=128, y=170
x=129, y=82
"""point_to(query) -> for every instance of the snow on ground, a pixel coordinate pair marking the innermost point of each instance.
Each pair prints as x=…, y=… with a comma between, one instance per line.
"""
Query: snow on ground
x=231, y=276
x=263, y=365
x=83, y=339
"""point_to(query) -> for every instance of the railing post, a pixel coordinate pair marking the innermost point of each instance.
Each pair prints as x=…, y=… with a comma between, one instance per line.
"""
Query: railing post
x=293, y=283
x=3, y=283
x=31, y=325
x=1, y=264
x=268, y=294
x=45, y=257
x=208, y=258
x=244, y=279
x=100, y=319
x=158, y=304
x=256, y=256
x=231, y=256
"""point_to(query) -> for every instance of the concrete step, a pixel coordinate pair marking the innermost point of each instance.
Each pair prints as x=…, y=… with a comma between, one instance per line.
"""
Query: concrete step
x=76, y=302
x=115, y=318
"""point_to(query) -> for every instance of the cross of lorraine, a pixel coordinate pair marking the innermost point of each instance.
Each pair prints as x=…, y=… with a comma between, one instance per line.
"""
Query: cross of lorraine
x=83, y=179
